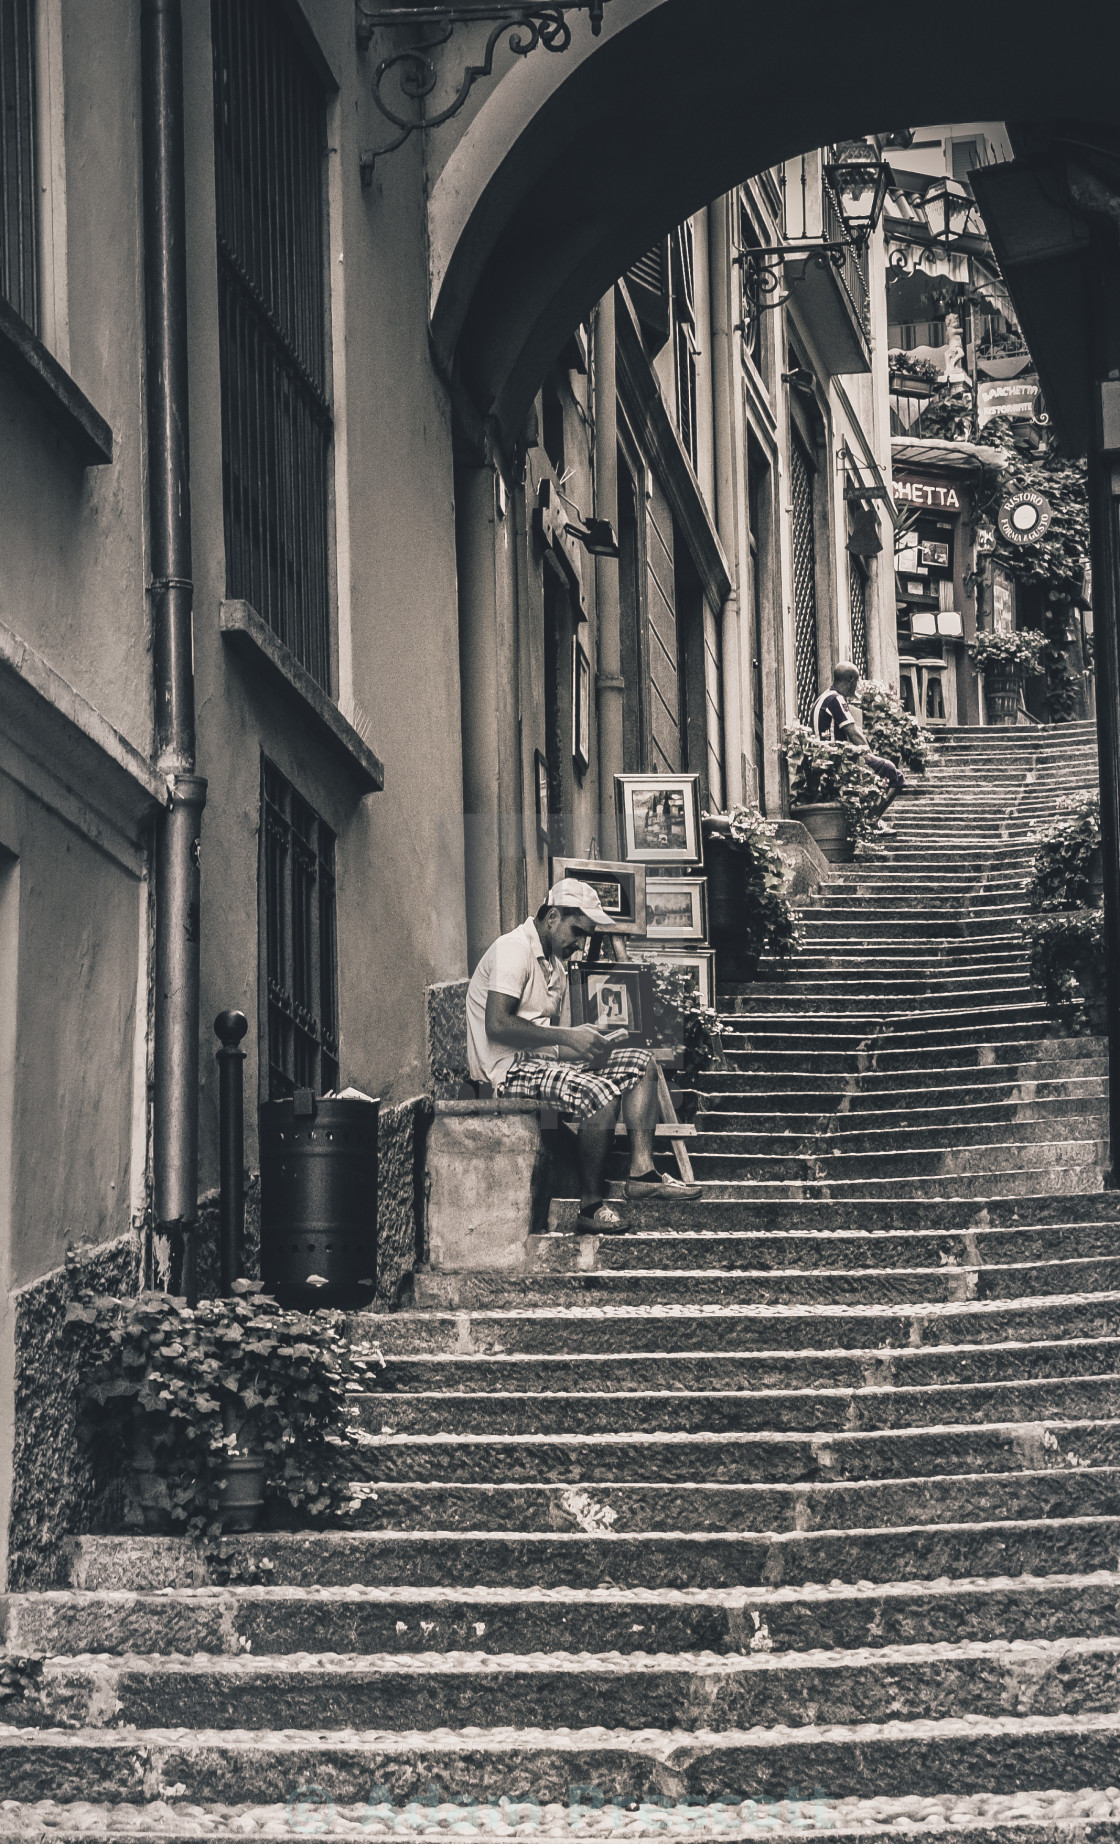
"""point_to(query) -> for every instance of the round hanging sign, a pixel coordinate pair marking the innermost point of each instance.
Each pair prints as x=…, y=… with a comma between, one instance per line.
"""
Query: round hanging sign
x=1025, y=516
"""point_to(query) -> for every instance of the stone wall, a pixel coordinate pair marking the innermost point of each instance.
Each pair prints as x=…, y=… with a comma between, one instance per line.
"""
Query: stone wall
x=54, y=1490
x=447, y=1037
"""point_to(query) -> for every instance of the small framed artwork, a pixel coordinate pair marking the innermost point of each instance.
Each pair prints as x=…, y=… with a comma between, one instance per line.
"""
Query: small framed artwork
x=620, y=888
x=659, y=819
x=700, y=965
x=544, y=818
x=676, y=909
x=581, y=706
x=613, y=996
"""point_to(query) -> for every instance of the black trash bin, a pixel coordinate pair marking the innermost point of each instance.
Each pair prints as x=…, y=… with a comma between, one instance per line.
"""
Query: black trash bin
x=319, y=1200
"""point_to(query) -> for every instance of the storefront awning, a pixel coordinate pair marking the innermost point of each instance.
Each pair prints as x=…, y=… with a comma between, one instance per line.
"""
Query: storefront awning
x=965, y=457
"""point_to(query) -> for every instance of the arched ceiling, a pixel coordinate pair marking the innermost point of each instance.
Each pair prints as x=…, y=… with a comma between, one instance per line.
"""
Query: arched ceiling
x=574, y=164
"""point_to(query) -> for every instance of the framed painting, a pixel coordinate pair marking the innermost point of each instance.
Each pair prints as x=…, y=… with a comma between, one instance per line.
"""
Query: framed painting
x=659, y=819
x=700, y=965
x=613, y=996
x=677, y=909
x=621, y=889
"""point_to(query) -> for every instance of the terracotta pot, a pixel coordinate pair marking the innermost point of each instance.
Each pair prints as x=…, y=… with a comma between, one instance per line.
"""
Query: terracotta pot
x=1002, y=694
x=827, y=821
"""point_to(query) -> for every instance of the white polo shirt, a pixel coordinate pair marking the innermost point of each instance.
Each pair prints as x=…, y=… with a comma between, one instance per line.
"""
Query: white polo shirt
x=517, y=965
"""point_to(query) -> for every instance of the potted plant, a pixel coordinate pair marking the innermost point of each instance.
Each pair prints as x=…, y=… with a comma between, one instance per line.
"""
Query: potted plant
x=749, y=913
x=1005, y=659
x=834, y=794
x=218, y=1407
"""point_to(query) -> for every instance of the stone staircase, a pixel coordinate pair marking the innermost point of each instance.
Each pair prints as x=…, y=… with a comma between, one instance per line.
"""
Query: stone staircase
x=797, y=1510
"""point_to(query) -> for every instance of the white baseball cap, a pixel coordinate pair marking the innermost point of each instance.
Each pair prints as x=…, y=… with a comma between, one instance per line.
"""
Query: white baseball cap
x=570, y=893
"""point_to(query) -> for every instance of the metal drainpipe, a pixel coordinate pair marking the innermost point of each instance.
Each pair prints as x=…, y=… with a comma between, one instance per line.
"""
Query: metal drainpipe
x=175, y=1132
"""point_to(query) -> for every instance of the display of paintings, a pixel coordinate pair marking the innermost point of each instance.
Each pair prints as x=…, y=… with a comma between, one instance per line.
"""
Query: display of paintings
x=621, y=889
x=544, y=819
x=581, y=706
x=700, y=965
x=676, y=909
x=659, y=819
x=612, y=996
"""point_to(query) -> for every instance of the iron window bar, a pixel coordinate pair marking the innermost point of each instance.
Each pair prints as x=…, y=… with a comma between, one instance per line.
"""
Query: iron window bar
x=19, y=267
x=299, y=940
x=412, y=71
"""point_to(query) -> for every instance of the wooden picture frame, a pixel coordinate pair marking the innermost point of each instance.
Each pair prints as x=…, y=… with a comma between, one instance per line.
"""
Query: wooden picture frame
x=621, y=889
x=613, y=995
x=581, y=706
x=659, y=819
x=541, y=786
x=700, y=962
x=676, y=910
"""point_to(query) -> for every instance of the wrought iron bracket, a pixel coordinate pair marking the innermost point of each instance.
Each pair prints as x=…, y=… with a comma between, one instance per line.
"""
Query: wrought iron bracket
x=403, y=81
x=763, y=276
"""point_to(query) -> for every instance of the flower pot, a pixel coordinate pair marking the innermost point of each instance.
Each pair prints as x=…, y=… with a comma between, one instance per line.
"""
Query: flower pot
x=728, y=902
x=1002, y=694
x=241, y=1485
x=827, y=822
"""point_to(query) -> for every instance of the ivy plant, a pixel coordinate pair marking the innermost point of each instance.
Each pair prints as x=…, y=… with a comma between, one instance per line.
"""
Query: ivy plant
x=679, y=1019
x=1066, y=931
x=891, y=731
x=823, y=771
x=173, y=1390
x=769, y=920
x=1068, y=852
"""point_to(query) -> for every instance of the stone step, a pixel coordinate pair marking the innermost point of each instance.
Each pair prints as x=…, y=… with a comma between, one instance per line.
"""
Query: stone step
x=266, y=1620
x=890, y=1163
x=848, y=1137
x=951, y=1050
x=738, y=1410
x=868, y=1086
x=1061, y=1677
x=442, y=1504
x=764, y=1247
x=711, y=1286
x=571, y=1330
x=735, y=1113
x=568, y=1556
x=1011, y=996
x=913, y=1021
x=998, y=1211
x=1077, y=1180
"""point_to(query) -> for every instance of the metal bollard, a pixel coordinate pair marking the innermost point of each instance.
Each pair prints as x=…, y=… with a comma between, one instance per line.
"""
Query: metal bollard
x=231, y=1028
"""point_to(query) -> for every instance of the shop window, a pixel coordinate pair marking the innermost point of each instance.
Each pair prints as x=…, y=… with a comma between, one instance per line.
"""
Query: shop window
x=299, y=935
x=276, y=419
x=19, y=270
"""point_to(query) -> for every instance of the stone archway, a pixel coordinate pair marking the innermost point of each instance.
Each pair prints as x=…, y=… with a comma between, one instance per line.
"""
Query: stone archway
x=572, y=165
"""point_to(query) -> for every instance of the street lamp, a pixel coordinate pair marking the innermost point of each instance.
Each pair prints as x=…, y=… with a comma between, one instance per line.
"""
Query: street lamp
x=860, y=178
x=948, y=208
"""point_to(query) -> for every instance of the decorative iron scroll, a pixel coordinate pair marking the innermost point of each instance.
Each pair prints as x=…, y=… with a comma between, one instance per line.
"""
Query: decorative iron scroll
x=763, y=276
x=406, y=78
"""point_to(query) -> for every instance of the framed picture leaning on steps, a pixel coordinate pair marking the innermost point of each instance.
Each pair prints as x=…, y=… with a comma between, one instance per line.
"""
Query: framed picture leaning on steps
x=699, y=964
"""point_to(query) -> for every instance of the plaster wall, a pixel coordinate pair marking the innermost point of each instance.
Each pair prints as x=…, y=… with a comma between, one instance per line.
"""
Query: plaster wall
x=76, y=980
x=72, y=539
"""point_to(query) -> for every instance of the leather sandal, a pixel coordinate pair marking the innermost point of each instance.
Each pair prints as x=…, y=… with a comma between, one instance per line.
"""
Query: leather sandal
x=604, y=1220
x=660, y=1185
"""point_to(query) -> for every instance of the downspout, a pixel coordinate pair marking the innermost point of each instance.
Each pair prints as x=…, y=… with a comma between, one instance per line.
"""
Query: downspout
x=175, y=1126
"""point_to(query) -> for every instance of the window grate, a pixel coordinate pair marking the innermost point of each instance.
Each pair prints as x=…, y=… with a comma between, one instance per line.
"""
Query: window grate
x=857, y=600
x=804, y=582
x=298, y=940
x=19, y=276
x=276, y=417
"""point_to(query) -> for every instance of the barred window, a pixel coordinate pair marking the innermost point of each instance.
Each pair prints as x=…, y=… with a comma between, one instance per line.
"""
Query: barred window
x=276, y=416
x=19, y=276
x=857, y=596
x=298, y=940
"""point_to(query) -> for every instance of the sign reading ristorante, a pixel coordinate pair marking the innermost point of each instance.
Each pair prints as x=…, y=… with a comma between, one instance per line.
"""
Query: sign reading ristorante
x=910, y=491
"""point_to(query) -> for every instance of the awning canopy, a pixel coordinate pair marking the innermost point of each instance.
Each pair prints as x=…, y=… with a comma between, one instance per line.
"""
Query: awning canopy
x=929, y=451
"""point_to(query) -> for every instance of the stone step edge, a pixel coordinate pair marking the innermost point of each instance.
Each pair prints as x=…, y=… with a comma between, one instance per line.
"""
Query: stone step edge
x=937, y=1309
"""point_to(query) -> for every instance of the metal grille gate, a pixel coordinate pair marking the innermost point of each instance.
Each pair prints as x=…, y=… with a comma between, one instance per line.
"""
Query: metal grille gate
x=857, y=600
x=804, y=583
x=276, y=418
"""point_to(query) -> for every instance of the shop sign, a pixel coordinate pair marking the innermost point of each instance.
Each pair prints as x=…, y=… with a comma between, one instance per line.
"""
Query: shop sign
x=985, y=539
x=1017, y=398
x=1025, y=516
x=911, y=492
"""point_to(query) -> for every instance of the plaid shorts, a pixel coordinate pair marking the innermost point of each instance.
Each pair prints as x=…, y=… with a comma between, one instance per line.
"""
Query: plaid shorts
x=574, y=1089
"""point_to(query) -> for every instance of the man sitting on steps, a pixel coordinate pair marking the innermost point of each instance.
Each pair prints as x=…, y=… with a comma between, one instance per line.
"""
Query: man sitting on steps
x=517, y=993
x=832, y=719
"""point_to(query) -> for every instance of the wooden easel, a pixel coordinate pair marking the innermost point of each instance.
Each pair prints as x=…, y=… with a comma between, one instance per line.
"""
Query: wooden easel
x=668, y=1127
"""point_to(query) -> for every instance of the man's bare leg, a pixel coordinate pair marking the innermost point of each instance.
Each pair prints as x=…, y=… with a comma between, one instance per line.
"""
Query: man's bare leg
x=596, y=1137
x=639, y=1111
